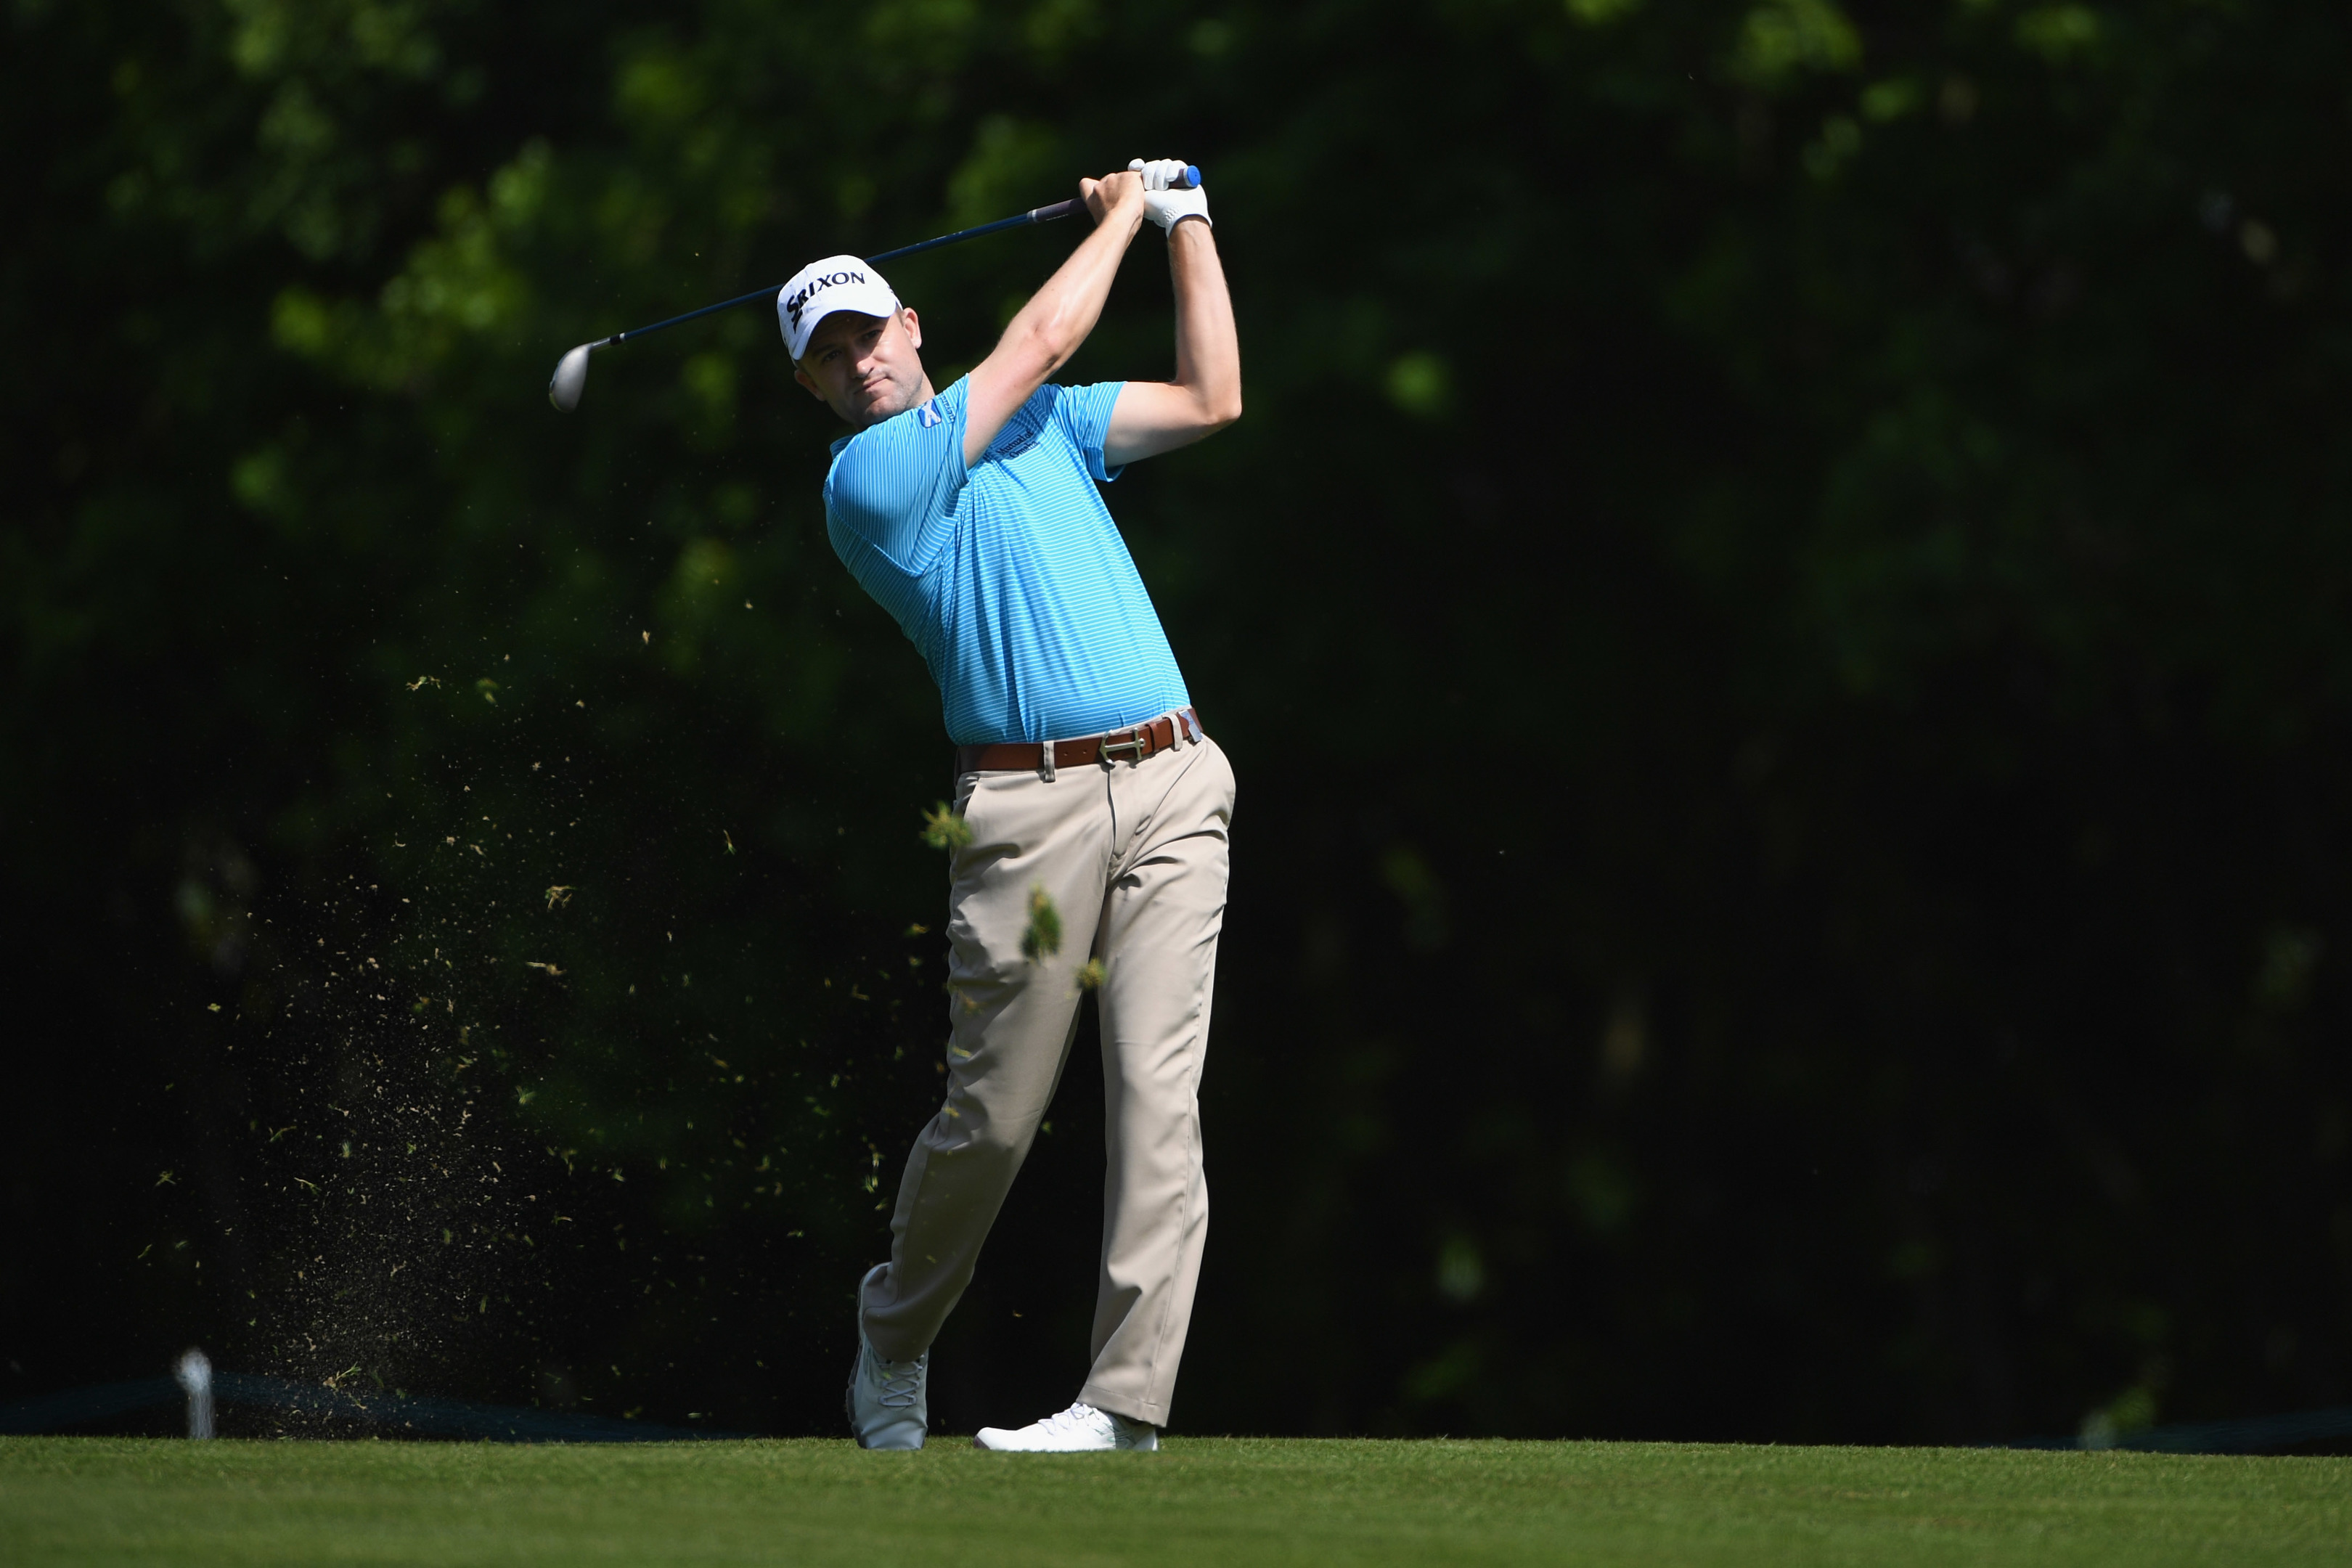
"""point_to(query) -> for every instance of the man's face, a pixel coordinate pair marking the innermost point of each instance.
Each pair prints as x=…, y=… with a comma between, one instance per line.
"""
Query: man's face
x=864, y=368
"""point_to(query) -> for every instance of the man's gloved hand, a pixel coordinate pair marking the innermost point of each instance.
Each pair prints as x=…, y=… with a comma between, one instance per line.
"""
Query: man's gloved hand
x=1167, y=204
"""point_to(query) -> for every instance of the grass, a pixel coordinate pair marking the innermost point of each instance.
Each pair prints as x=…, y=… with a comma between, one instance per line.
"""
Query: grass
x=1230, y=1503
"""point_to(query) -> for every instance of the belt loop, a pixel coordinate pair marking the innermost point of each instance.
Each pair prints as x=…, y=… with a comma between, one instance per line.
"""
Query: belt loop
x=1191, y=725
x=1045, y=761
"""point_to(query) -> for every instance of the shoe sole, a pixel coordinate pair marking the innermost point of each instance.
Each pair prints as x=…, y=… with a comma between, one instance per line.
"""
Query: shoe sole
x=1150, y=1447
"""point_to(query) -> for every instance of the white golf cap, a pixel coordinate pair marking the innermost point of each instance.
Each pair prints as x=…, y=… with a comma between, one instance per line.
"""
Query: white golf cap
x=818, y=290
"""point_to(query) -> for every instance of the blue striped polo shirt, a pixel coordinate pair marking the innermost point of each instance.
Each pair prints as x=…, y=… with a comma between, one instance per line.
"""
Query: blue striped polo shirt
x=1009, y=576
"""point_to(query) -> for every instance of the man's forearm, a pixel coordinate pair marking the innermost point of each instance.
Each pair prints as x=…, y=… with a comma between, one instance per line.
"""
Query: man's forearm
x=1049, y=330
x=1058, y=317
x=1208, y=348
x=1206, y=393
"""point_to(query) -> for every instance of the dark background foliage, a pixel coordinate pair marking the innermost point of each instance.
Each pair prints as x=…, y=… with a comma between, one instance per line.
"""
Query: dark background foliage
x=1778, y=606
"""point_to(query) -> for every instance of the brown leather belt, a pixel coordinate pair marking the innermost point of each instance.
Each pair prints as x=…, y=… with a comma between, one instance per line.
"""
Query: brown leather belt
x=1121, y=746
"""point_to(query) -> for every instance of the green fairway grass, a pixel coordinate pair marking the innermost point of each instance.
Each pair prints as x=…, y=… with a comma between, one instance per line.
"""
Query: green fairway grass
x=1226, y=1501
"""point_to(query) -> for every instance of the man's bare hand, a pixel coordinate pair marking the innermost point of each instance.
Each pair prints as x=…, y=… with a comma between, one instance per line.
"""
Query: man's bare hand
x=1121, y=193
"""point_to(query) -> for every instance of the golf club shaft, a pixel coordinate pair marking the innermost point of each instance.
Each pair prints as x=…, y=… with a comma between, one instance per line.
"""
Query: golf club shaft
x=1035, y=214
x=563, y=388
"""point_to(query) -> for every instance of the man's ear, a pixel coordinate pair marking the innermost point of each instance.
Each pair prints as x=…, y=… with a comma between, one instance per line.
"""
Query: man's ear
x=914, y=325
x=810, y=382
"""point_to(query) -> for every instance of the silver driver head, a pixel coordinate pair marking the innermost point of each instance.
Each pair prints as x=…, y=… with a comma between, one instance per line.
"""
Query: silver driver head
x=563, y=388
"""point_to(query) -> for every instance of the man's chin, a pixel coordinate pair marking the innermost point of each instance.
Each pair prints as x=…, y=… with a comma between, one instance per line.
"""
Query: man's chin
x=890, y=405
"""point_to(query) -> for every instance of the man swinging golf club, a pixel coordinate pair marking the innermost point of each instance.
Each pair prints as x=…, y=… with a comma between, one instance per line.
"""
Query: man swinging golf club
x=1082, y=774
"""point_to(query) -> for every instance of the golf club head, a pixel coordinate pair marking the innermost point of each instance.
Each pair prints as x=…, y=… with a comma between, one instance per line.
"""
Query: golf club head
x=563, y=388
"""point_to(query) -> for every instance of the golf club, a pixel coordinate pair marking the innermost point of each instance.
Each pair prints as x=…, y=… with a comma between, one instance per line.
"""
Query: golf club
x=570, y=377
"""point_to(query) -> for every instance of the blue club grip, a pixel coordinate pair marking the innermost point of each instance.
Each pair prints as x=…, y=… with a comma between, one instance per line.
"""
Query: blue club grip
x=1189, y=180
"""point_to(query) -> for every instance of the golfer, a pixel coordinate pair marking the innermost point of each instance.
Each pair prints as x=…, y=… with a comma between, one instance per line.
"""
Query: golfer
x=971, y=515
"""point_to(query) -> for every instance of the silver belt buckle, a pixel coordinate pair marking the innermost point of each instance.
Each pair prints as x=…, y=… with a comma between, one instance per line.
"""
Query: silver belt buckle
x=1138, y=745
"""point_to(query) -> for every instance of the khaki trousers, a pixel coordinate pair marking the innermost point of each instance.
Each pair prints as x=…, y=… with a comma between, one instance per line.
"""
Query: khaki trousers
x=1134, y=856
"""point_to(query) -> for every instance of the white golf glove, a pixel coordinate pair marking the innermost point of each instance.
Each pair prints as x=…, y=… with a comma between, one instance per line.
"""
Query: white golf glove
x=1167, y=205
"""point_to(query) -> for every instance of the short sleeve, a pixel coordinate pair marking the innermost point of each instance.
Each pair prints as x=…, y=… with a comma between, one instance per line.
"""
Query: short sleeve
x=890, y=479
x=1085, y=414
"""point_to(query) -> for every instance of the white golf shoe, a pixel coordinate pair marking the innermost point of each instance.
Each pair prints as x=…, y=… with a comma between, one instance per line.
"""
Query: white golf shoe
x=1081, y=1429
x=888, y=1405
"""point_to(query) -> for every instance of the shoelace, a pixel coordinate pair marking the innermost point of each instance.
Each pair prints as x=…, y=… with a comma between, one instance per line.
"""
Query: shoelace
x=899, y=1389
x=1079, y=1415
